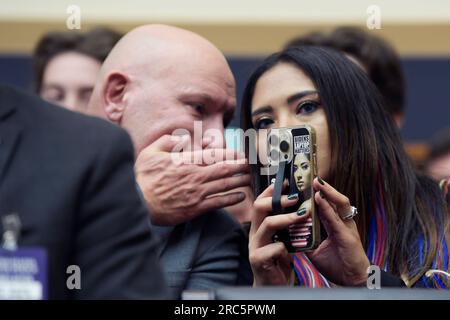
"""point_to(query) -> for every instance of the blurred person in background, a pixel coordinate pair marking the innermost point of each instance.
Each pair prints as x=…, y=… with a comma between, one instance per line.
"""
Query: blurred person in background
x=66, y=65
x=374, y=55
x=437, y=165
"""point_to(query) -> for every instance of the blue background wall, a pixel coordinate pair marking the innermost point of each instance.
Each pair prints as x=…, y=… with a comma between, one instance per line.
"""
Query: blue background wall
x=428, y=89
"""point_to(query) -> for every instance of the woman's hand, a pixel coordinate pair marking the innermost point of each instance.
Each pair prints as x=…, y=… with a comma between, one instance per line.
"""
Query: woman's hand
x=270, y=261
x=340, y=257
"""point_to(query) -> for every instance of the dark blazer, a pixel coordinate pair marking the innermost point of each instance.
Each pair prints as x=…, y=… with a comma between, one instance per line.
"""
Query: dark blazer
x=70, y=179
x=208, y=252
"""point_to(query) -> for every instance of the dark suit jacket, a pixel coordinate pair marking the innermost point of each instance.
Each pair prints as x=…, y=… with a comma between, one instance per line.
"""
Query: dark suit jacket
x=208, y=252
x=70, y=178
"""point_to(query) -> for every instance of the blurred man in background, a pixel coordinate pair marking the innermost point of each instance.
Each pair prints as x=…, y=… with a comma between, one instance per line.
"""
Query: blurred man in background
x=66, y=65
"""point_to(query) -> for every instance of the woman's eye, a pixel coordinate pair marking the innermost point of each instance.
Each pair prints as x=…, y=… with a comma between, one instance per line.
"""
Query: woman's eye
x=263, y=123
x=307, y=107
x=305, y=167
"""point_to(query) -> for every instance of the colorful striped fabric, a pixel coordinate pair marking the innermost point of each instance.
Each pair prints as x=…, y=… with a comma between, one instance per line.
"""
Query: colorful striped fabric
x=307, y=274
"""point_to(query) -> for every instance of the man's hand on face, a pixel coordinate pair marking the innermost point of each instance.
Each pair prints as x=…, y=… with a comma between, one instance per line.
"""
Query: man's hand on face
x=180, y=186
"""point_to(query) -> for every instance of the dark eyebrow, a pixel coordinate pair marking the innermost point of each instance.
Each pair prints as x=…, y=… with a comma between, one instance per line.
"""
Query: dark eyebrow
x=51, y=86
x=197, y=95
x=86, y=88
x=266, y=109
x=300, y=95
x=294, y=97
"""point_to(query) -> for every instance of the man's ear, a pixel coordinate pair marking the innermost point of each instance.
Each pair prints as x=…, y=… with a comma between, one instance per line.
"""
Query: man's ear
x=114, y=96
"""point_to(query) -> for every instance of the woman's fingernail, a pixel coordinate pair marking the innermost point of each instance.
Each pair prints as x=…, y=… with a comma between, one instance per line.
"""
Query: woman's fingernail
x=321, y=181
x=293, y=196
x=322, y=195
x=301, y=212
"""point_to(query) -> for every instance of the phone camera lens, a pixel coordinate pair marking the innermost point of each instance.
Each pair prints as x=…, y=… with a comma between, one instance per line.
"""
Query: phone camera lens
x=273, y=140
x=284, y=146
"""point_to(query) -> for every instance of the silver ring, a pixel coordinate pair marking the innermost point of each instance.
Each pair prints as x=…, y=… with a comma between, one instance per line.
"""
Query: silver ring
x=353, y=213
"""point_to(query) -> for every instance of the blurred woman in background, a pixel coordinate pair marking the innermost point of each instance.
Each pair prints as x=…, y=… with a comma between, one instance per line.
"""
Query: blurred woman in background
x=437, y=164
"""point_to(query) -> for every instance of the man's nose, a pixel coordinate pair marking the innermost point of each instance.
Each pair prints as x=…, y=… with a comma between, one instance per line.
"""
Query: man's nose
x=214, y=133
x=70, y=102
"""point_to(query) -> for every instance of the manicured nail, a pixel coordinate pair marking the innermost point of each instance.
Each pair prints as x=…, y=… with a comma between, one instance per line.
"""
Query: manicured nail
x=322, y=195
x=321, y=181
x=301, y=212
x=293, y=196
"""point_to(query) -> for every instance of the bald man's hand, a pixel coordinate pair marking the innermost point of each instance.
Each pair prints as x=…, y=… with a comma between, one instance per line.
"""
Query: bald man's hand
x=180, y=186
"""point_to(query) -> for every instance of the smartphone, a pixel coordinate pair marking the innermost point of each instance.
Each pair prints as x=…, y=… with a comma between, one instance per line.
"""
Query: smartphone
x=296, y=147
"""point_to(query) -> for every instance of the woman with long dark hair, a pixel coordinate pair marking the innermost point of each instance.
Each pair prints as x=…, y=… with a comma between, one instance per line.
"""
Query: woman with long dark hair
x=402, y=225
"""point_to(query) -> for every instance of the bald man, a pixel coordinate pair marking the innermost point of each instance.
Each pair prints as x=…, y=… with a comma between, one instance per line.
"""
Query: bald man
x=156, y=81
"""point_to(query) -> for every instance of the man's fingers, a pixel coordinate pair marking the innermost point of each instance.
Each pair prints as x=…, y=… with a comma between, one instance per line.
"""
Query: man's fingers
x=211, y=156
x=224, y=169
x=226, y=184
x=220, y=201
x=168, y=143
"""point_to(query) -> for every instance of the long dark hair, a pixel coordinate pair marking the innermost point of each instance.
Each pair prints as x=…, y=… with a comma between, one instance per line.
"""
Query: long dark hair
x=367, y=160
